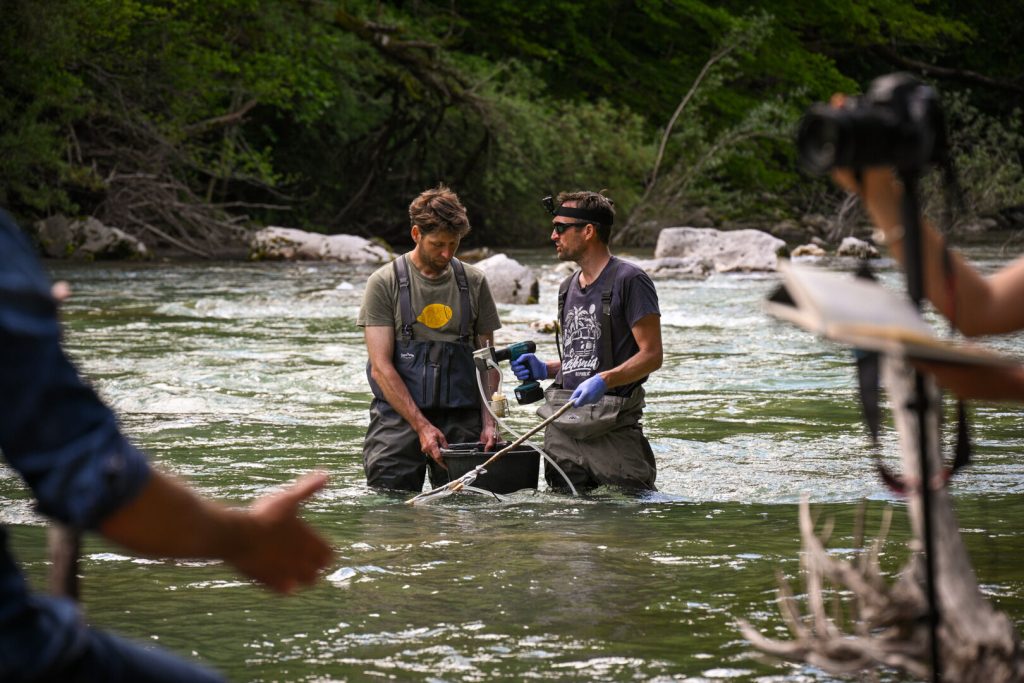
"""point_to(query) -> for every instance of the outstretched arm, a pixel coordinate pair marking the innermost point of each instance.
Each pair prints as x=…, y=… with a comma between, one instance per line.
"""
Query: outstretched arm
x=974, y=303
x=268, y=542
x=981, y=382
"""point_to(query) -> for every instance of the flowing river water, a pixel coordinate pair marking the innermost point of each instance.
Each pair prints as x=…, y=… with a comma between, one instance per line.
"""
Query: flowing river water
x=239, y=377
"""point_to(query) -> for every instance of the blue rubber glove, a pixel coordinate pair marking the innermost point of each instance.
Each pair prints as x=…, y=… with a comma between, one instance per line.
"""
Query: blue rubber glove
x=528, y=367
x=589, y=392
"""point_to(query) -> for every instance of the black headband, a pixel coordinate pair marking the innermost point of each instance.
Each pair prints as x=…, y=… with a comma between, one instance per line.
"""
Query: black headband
x=599, y=215
x=596, y=215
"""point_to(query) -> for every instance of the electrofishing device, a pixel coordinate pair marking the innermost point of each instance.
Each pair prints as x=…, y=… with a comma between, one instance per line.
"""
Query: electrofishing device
x=486, y=359
x=529, y=391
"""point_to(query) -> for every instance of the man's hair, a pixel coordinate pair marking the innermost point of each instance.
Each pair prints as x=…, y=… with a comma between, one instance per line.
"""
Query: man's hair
x=439, y=209
x=584, y=199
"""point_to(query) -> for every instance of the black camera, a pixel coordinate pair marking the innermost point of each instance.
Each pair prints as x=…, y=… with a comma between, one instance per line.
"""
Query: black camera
x=899, y=122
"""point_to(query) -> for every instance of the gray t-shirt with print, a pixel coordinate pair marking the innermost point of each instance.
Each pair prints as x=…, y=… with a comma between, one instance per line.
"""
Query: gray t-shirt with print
x=633, y=297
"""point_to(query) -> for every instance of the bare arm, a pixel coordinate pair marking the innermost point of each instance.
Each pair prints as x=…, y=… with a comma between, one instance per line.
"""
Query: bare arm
x=380, y=344
x=976, y=304
x=267, y=542
x=647, y=332
x=981, y=382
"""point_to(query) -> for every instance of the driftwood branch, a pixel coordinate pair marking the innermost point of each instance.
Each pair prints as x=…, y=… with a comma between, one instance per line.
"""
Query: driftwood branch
x=977, y=643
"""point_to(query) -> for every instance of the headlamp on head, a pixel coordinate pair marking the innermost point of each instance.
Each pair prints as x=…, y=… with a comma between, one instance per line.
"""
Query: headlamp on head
x=549, y=204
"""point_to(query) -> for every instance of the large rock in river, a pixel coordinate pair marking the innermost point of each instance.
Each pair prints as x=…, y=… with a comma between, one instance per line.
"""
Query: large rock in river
x=87, y=238
x=858, y=248
x=731, y=250
x=671, y=267
x=510, y=281
x=289, y=244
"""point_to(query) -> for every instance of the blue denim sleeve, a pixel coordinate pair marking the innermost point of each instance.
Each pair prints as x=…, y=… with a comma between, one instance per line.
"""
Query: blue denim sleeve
x=54, y=429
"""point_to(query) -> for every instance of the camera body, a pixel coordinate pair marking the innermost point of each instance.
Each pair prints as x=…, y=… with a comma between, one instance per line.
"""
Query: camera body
x=898, y=122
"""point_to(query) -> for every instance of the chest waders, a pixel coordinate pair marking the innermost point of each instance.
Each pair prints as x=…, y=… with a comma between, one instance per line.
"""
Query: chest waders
x=438, y=374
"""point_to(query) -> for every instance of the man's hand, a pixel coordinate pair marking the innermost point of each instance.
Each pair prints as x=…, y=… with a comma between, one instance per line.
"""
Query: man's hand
x=528, y=367
x=431, y=442
x=590, y=391
x=275, y=546
x=489, y=435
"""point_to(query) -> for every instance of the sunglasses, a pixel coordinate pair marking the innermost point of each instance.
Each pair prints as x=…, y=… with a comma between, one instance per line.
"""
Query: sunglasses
x=562, y=227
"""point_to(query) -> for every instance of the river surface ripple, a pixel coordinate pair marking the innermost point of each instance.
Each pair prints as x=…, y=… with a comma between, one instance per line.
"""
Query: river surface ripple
x=239, y=376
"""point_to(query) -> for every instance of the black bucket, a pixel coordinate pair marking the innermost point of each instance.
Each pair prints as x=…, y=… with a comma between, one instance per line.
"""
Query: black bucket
x=517, y=469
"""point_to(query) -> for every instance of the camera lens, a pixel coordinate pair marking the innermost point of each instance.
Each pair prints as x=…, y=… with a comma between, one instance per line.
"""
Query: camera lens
x=897, y=123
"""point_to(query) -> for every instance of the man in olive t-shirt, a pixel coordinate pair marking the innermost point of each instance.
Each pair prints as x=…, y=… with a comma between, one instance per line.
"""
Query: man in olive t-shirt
x=420, y=366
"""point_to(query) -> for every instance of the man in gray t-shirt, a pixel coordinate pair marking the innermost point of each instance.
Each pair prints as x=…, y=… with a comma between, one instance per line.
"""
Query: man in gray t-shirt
x=611, y=342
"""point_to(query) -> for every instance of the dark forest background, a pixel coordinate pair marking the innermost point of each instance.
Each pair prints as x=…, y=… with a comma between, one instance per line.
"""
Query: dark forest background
x=189, y=121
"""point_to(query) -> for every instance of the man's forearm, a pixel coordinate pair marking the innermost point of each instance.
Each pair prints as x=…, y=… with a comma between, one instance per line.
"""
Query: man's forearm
x=167, y=519
x=267, y=541
x=489, y=379
x=636, y=367
x=554, y=367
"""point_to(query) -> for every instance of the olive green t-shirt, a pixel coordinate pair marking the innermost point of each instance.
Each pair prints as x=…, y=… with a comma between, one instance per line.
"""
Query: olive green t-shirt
x=435, y=303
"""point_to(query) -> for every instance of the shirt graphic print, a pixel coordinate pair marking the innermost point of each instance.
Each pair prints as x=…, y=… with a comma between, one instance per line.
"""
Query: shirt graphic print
x=435, y=316
x=582, y=341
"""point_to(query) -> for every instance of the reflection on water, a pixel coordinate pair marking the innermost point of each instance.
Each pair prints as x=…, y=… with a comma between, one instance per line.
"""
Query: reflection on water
x=241, y=376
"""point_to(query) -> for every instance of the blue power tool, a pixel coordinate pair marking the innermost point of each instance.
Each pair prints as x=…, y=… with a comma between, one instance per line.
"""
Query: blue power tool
x=529, y=391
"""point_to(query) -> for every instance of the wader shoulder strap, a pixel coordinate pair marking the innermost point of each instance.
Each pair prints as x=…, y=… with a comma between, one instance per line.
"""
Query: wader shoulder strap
x=607, y=359
x=404, y=297
x=563, y=291
x=464, y=302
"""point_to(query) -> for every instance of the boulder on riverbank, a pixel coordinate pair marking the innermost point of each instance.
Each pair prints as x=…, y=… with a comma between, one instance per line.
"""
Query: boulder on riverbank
x=86, y=239
x=728, y=251
x=811, y=249
x=289, y=244
x=851, y=246
x=510, y=281
x=686, y=268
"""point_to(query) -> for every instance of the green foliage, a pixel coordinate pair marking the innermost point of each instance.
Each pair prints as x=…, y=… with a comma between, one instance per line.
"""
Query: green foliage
x=986, y=152
x=542, y=146
x=39, y=99
x=333, y=115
